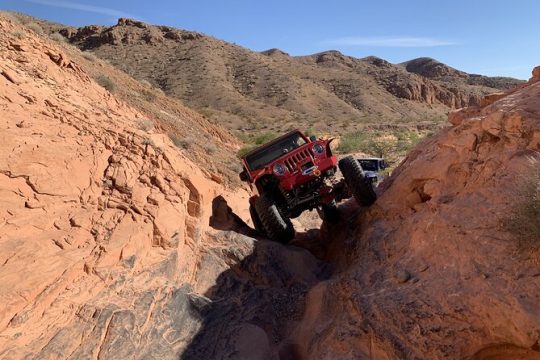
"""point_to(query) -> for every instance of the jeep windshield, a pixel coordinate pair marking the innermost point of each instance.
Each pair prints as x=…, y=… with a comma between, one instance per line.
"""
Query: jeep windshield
x=267, y=154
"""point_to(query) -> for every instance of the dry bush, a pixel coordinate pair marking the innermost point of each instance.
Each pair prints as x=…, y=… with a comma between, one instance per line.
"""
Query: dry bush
x=145, y=124
x=89, y=56
x=57, y=37
x=35, y=28
x=11, y=17
x=210, y=148
x=146, y=83
x=184, y=143
x=148, y=95
x=524, y=220
x=106, y=82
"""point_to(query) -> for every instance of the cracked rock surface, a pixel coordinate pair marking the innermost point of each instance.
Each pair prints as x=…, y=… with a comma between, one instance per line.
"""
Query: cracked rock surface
x=434, y=273
x=115, y=245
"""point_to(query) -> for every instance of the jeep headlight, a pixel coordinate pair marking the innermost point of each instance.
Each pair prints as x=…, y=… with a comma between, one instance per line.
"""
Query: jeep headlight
x=318, y=149
x=279, y=169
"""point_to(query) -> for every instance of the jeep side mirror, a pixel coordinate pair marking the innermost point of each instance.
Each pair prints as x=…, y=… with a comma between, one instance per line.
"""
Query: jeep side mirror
x=244, y=176
x=313, y=138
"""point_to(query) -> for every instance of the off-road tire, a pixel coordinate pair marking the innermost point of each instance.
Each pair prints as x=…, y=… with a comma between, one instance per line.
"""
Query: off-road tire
x=256, y=220
x=276, y=226
x=329, y=212
x=359, y=185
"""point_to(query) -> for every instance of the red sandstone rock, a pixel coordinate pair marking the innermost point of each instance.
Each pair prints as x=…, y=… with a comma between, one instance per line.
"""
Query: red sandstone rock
x=440, y=219
x=535, y=74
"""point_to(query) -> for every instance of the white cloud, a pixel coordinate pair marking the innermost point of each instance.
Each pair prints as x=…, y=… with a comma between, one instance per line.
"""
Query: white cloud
x=390, y=41
x=84, y=7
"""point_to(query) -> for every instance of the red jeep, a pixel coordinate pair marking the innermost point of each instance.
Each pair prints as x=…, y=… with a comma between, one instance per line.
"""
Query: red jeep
x=294, y=173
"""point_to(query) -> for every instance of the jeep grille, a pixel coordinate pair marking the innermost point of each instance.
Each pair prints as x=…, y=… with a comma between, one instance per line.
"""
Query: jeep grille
x=293, y=160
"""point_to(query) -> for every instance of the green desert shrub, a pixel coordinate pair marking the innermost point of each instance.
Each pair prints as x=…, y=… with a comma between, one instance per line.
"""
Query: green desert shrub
x=264, y=137
x=380, y=143
x=244, y=150
x=354, y=142
x=251, y=141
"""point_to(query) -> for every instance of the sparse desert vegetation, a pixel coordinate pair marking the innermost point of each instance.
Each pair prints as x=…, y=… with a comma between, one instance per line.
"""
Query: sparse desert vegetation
x=252, y=140
x=329, y=92
x=89, y=56
x=524, y=220
x=106, y=82
x=35, y=27
x=391, y=145
x=10, y=16
x=145, y=124
x=57, y=37
x=181, y=142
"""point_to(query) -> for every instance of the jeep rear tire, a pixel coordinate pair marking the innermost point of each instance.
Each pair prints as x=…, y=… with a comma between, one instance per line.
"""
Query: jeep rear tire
x=276, y=226
x=359, y=185
x=256, y=220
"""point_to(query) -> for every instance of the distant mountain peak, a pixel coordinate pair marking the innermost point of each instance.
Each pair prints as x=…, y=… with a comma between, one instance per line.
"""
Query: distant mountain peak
x=432, y=68
x=274, y=52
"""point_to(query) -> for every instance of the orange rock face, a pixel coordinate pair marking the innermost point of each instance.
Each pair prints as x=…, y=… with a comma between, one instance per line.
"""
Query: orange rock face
x=113, y=244
x=86, y=196
x=434, y=274
x=535, y=74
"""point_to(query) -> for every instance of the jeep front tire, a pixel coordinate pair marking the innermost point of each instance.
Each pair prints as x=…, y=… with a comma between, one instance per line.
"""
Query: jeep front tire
x=276, y=226
x=256, y=220
x=359, y=185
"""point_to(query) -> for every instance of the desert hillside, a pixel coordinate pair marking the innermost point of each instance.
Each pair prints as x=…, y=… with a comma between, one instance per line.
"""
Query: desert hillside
x=123, y=234
x=437, y=268
x=252, y=92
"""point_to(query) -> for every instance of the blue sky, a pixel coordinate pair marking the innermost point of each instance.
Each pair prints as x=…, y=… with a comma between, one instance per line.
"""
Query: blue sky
x=492, y=37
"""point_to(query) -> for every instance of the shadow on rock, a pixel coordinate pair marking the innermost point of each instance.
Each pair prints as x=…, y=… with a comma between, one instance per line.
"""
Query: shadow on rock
x=255, y=303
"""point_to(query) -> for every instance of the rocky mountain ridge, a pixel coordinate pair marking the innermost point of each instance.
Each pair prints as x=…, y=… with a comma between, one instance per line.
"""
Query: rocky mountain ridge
x=245, y=90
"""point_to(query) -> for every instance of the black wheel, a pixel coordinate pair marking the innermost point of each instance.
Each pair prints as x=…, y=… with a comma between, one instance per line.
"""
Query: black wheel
x=277, y=227
x=359, y=185
x=329, y=212
x=256, y=220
